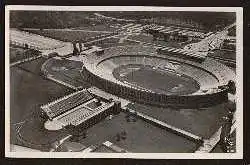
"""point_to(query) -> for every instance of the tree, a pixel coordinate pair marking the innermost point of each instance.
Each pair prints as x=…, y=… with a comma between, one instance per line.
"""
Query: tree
x=231, y=87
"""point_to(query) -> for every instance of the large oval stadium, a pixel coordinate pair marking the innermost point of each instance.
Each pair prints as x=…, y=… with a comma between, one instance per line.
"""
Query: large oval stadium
x=142, y=74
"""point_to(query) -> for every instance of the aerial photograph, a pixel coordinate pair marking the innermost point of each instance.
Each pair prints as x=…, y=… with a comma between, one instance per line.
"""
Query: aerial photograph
x=122, y=81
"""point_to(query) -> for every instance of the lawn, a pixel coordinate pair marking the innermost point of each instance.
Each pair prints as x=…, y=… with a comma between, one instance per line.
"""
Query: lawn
x=99, y=27
x=67, y=36
x=18, y=53
x=149, y=38
x=112, y=42
x=203, y=122
x=141, y=136
x=28, y=91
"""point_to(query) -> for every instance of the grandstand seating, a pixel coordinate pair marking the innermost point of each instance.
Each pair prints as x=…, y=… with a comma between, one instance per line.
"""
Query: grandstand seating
x=66, y=103
x=86, y=116
x=181, y=53
x=78, y=114
x=224, y=74
x=205, y=79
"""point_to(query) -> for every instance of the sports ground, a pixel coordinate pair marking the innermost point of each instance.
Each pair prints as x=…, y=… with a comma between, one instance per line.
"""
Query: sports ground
x=158, y=80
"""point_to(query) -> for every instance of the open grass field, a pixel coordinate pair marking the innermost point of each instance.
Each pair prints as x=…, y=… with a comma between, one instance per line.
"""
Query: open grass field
x=201, y=122
x=142, y=37
x=149, y=38
x=67, y=36
x=112, y=42
x=33, y=66
x=18, y=53
x=154, y=139
x=99, y=27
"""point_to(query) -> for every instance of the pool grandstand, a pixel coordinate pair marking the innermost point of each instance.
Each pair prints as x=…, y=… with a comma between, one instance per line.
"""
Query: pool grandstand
x=80, y=108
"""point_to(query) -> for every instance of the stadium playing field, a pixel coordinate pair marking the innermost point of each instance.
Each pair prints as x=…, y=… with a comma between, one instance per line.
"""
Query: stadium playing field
x=157, y=80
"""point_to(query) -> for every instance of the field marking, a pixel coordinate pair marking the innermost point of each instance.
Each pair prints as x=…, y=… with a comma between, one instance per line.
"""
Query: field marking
x=50, y=77
x=25, y=60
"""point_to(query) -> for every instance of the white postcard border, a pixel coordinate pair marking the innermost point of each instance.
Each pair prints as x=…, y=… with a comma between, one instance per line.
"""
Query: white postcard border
x=239, y=84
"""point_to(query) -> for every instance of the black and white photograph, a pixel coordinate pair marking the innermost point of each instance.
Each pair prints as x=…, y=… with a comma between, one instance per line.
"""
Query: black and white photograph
x=134, y=82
